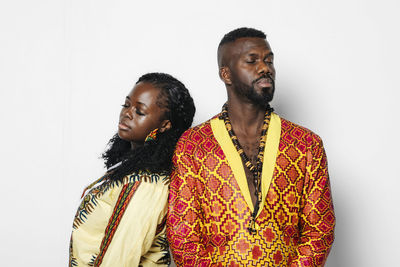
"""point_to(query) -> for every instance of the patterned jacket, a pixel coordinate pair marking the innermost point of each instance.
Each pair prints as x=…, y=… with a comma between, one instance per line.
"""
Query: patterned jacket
x=210, y=205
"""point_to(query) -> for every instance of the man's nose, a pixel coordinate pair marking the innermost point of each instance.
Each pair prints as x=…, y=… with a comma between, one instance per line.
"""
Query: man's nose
x=263, y=67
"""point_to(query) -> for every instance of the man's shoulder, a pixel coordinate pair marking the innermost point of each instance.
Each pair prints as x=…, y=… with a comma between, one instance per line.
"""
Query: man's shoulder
x=196, y=138
x=198, y=133
x=291, y=132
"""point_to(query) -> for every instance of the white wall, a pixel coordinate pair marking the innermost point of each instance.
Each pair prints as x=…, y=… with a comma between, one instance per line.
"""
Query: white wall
x=66, y=66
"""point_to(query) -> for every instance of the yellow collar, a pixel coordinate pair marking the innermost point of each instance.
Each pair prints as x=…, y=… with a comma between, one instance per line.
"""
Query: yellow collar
x=270, y=153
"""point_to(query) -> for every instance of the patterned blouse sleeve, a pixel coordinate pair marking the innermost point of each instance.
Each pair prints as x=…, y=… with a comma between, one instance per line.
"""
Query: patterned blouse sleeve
x=184, y=222
x=158, y=254
x=317, y=219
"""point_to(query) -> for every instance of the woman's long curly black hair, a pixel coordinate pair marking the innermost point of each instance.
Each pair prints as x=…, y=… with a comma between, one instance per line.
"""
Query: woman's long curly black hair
x=155, y=155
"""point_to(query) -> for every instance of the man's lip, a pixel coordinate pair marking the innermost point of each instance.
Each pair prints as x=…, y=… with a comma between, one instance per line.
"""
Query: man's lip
x=264, y=81
x=123, y=126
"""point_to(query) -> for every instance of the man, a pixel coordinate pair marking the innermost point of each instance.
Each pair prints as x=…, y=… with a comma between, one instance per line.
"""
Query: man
x=249, y=188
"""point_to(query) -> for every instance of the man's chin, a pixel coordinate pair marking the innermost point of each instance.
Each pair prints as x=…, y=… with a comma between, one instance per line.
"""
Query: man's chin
x=268, y=92
x=263, y=99
x=264, y=104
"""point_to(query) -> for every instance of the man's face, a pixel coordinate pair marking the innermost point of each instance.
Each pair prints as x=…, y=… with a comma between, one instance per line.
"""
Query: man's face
x=251, y=68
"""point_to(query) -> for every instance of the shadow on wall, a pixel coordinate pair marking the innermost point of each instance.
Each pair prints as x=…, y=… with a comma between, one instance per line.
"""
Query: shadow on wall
x=346, y=242
x=289, y=104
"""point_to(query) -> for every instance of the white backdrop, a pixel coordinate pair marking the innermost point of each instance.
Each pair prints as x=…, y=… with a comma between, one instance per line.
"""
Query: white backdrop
x=66, y=66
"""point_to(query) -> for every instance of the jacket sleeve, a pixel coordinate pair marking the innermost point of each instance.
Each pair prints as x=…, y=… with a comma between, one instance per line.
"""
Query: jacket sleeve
x=185, y=221
x=317, y=219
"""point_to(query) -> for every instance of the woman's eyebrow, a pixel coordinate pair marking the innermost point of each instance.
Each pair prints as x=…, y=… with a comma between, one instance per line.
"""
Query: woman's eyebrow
x=141, y=103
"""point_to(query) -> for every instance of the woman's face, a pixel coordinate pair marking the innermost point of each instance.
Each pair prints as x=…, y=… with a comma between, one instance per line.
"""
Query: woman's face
x=140, y=114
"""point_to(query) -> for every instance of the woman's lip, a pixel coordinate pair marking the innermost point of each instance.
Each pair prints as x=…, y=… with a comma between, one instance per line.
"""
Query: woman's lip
x=123, y=126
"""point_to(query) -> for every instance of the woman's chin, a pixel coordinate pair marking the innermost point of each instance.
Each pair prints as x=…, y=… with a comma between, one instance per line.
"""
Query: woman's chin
x=123, y=135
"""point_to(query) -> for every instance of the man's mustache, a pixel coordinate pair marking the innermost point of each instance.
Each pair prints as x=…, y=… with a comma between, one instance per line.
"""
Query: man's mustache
x=264, y=76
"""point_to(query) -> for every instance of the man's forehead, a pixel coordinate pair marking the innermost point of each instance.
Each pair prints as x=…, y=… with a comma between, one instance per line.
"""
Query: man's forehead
x=245, y=45
x=241, y=46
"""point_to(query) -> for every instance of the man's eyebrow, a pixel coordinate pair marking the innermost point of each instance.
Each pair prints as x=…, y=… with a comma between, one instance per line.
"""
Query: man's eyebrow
x=270, y=54
x=128, y=97
x=255, y=54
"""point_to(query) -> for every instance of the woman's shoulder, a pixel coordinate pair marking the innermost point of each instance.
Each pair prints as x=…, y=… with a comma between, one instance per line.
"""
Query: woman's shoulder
x=147, y=177
x=104, y=185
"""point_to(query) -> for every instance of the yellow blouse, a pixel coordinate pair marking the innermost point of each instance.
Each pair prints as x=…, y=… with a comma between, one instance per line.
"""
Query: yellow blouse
x=140, y=235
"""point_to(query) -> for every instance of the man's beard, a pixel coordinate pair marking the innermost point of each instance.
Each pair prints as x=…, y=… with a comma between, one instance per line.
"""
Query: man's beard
x=261, y=99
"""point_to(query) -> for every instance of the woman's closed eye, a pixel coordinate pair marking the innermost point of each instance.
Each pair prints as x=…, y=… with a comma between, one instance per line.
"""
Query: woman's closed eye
x=139, y=112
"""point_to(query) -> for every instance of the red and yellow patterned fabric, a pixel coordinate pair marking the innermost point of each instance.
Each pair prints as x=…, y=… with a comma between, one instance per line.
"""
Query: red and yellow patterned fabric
x=210, y=205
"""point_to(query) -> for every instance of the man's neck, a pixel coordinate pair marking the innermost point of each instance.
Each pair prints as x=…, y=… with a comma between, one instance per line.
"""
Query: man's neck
x=246, y=118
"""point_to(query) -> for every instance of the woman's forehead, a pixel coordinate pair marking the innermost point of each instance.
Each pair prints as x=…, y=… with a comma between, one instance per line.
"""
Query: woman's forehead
x=144, y=93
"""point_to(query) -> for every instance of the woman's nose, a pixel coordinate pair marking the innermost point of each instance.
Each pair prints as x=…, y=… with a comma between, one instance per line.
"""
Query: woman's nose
x=129, y=113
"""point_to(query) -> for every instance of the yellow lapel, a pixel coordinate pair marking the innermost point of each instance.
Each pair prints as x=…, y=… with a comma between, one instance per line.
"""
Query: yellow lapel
x=235, y=162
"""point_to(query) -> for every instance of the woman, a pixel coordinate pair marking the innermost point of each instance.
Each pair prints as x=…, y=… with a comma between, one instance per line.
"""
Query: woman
x=121, y=220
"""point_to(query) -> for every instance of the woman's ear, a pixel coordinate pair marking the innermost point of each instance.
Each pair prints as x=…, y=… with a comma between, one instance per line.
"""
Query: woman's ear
x=165, y=126
x=225, y=75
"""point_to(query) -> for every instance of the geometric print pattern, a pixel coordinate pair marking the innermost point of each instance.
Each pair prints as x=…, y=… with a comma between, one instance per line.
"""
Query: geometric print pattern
x=208, y=215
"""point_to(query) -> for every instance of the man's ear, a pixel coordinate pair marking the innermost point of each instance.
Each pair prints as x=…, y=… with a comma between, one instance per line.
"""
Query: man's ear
x=225, y=75
x=165, y=126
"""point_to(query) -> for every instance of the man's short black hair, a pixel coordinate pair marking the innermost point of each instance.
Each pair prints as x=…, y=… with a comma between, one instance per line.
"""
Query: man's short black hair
x=241, y=33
